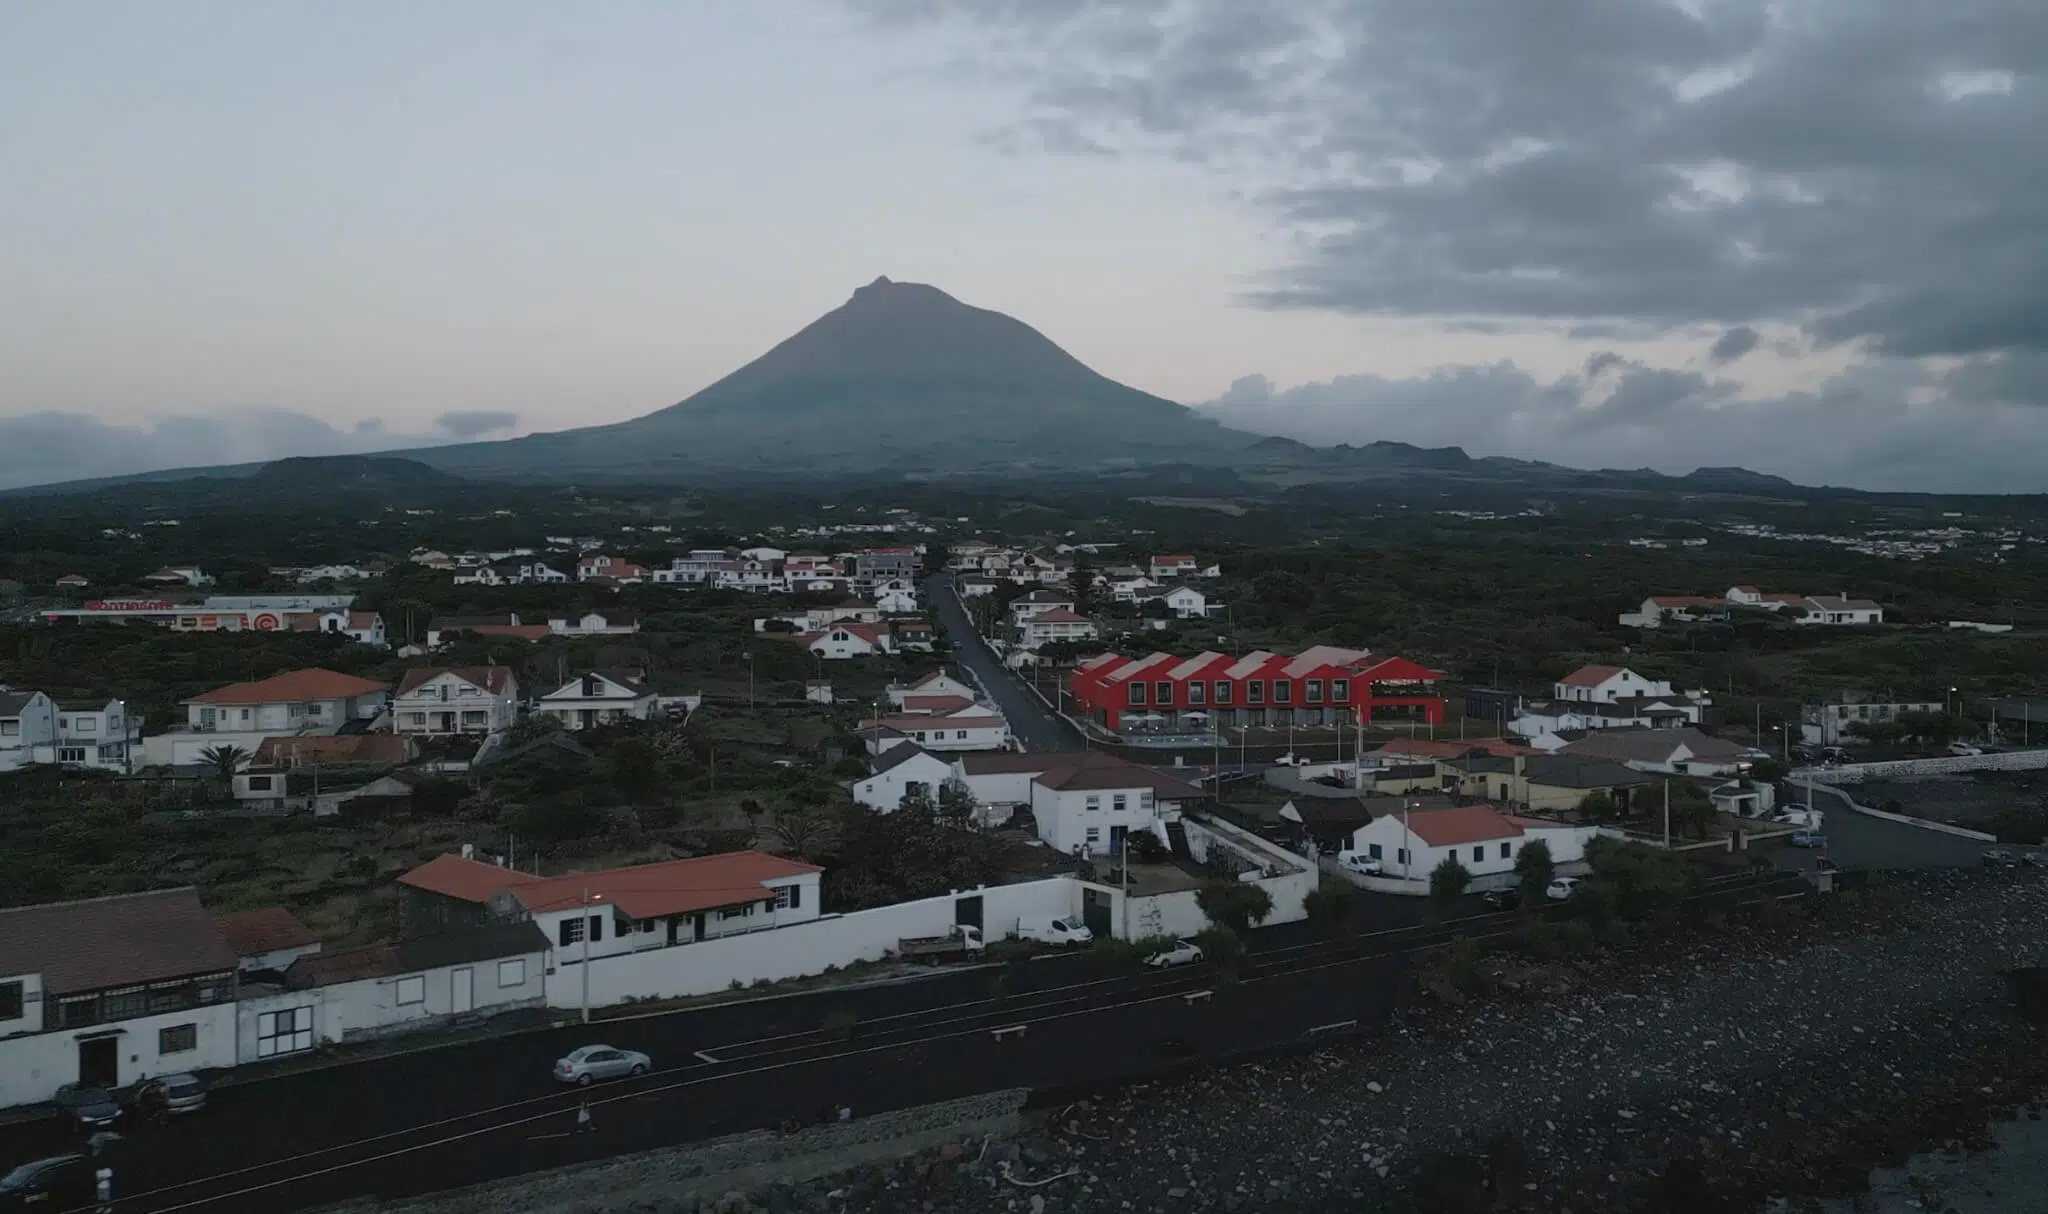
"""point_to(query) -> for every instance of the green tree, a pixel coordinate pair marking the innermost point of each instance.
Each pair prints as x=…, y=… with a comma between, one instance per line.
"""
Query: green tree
x=1236, y=905
x=1447, y=883
x=1692, y=811
x=1330, y=903
x=1597, y=806
x=805, y=832
x=957, y=804
x=1768, y=771
x=1534, y=871
x=635, y=768
x=225, y=759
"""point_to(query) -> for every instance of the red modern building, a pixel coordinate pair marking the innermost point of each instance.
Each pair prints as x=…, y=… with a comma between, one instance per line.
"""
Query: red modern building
x=1318, y=686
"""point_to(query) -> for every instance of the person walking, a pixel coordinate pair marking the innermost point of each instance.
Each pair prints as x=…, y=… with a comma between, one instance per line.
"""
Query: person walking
x=583, y=1122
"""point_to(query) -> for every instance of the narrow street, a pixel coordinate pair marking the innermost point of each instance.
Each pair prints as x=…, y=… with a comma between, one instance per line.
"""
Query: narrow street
x=1035, y=726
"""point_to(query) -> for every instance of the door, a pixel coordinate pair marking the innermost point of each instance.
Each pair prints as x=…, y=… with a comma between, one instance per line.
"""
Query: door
x=1095, y=911
x=674, y=928
x=462, y=995
x=700, y=925
x=967, y=910
x=1116, y=839
x=99, y=1062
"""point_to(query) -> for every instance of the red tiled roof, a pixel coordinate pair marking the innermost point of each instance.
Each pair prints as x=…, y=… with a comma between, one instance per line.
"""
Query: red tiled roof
x=1425, y=748
x=871, y=633
x=1589, y=676
x=643, y=891
x=490, y=678
x=265, y=931
x=1462, y=824
x=295, y=687
x=362, y=619
x=925, y=724
x=332, y=748
x=1687, y=600
x=1058, y=615
x=937, y=703
x=120, y=940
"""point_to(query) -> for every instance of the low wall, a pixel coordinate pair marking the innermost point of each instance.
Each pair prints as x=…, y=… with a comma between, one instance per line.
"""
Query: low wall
x=1848, y=802
x=678, y=1176
x=1856, y=773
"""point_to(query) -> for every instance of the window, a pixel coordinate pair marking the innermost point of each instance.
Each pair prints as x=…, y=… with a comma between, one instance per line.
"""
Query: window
x=259, y=783
x=85, y=725
x=1340, y=691
x=10, y=1000
x=1401, y=856
x=1162, y=693
x=1314, y=692
x=177, y=1038
x=737, y=912
x=512, y=972
x=1373, y=851
x=960, y=735
x=1094, y=803
x=10, y=729
x=1135, y=693
x=643, y=926
x=570, y=932
x=1095, y=834
x=1478, y=854
x=416, y=719
x=245, y=714
x=468, y=690
x=596, y=928
x=1145, y=799
x=1283, y=691
x=1222, y=695
x=1506, y=850
x=412, y=989
x=1196, y=688
x=71, y=754
x=313, y=710
x=286, y=1032
x=1255, y=692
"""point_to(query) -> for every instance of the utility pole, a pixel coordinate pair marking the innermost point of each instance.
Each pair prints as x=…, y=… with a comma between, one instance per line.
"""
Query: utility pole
x=585, y=912
x=1407, y=843
x=1667, y=814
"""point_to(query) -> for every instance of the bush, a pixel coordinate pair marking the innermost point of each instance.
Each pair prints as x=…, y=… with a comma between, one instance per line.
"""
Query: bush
x=1236, y=905
x=1542, y=940
x=1576, y=938
x=1447, y=883
x=1616, y=937
x=1454, y=973
x=1331, y=902
x=1224, y=950
x=1534, y=871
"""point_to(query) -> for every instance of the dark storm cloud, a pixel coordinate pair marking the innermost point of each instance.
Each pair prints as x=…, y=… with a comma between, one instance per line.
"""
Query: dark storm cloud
x=471, y=423
x=1871, y=169
x=1733, y=344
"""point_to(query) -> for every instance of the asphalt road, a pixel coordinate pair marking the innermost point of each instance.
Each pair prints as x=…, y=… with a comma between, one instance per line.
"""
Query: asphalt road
x=1861, y=841
x=1036, y=727
x=440, y=1118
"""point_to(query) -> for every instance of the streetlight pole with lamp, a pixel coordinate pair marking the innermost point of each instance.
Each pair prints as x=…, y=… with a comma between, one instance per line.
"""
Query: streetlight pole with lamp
x=584, y=926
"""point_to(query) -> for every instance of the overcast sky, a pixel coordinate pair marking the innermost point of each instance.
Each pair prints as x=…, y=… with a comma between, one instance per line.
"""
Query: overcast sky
x=1805, y=236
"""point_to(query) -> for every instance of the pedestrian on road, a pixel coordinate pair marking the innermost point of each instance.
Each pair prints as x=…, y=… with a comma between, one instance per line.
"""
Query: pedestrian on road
x=845, y=1112
x=583, y=1123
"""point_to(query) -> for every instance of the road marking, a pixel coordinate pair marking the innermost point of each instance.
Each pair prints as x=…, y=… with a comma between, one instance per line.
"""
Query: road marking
x=540, y=1137
x=707, y=1056
x=1333, y=1026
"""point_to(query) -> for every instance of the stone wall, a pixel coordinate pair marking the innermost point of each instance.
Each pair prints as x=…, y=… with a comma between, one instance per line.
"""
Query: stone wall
x=706, y=1171
x=1947, y=765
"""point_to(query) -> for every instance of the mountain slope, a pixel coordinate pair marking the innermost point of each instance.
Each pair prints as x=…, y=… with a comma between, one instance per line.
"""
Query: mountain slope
x=901, y=377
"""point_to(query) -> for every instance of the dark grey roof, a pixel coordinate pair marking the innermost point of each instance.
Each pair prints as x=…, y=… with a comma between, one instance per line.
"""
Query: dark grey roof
x=1564, y=771
x=1651, y=745
x=85, y=705
x=12, y=702
x=897, y=756
x=417, y=955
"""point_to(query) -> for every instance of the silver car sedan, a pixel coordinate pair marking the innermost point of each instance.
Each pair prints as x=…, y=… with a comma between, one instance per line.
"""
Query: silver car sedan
x=594, y=1062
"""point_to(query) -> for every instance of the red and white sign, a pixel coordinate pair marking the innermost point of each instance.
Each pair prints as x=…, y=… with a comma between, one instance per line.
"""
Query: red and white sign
x=265, y=622
x=131, y=605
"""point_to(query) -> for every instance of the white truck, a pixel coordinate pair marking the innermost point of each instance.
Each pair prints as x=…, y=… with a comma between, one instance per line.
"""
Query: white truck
x=1044, y=929
x=963, y=941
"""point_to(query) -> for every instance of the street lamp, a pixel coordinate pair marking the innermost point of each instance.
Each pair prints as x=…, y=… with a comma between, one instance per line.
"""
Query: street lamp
x=584, y=912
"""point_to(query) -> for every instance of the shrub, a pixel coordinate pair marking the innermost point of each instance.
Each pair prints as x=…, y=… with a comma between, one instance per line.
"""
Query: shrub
x=1331, y=902
x=1575, y=938
x=1454, y=973
x=1224, y=950
x=1447, y=883
x=1542, y=940
x=1236, y=905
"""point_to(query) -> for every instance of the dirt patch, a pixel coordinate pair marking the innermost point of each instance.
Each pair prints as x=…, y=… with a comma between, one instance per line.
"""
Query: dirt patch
x=2010, y=804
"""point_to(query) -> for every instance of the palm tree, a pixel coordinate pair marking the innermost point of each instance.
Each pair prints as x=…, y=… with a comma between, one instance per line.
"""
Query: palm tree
x=225, y=760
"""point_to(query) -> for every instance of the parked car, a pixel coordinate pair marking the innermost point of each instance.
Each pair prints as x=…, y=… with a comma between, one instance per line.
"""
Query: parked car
x=586, y=1066
x=1808, y=838
x=2033, y=859
x=1502, y=899
x=182, y=1093
x=61, y=1182
x=1047, y=930
x=1359, y=862
x=1561, y=889
x=1184, y=952
x=1999, y=857
x=91, y=1107
x=1964, y=749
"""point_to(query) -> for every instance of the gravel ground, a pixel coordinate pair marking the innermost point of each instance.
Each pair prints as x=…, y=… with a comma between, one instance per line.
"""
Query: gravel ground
x=1751, y=1063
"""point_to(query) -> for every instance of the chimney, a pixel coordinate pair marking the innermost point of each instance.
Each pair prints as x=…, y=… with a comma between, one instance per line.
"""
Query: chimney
x=1521, y=766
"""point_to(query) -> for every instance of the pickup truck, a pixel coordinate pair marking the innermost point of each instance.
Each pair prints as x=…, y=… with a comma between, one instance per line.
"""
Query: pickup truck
x=963, y=941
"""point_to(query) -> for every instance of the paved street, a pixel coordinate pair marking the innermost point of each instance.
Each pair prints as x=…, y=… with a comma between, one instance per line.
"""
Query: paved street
x=1035, y=726
x=1861, y=841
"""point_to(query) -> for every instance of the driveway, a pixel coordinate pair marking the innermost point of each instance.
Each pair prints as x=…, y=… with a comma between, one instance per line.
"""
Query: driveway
x=1036, y=727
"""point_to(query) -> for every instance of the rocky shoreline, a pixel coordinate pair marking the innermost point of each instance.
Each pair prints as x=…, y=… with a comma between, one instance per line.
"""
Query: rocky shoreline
x=1763, y=1063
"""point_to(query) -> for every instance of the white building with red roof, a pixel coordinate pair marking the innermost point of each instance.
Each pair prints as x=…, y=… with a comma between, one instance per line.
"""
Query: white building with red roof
x=606, y=912
x=1054, y=626
x=1482, y=839
x=314, y=700
x=845, y=639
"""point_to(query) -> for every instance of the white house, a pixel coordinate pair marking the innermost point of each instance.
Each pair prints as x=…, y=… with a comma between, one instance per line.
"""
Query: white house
x=1832, y=610
x=1093, y=808
x=98, y=735
x=1182, y=602
x=1173, y=566
x=1054, y=626
x=1479, y=837
x=600, y=697
x=898, y=771
x=436, y=701
x=970, y=729
x=1608, y=697
x=111, y=991
x=839, y=641
x=1024, y=607
x=701, y=567
x=620, y=910
x=306, y=702
x=1127, y=588
x=267, y=940
x=617, y=569
x=1606, y=685
x=28, y=720
x=594, y=624
x=896, y=601
x=380, y=990
x=1660, y=609
x=1676, y=752
x=937, y=683
x=179, y=575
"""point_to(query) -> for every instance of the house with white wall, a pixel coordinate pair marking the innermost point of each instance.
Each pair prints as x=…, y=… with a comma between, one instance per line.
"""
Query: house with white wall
x=898, y=771
x=1607, y=685
x=1181, y=602
x=98, y=735
x=617, y=910
x=381, y=990
x=971, y=728
x=840, y=641
x=1026, y=606
x=267, y=940
x=1838, y=611
x=1058, y=788
x=937, y=683
x=362, y=627
x=437, y=701
x=599, y=697
x=594, y=624
x=28, y=721
x=1055, y=626
x=611, y=568
x=179, y=575
x=110, y=991
x=1671, y=752
x=1172, y=566
x=1483, y=840
x=304, y=702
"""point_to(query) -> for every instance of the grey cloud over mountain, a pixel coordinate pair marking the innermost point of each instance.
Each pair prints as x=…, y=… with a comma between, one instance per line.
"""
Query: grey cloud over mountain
x=1867, y=171
x=47, y=448
x=475, y=423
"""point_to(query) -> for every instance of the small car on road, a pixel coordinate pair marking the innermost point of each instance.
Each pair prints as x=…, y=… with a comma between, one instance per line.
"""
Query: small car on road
x=61, y=1182
x=586, y=1066
x=91, y=1107
x=1502, y=899
x=180, y=1093
x=1963, y=750
x=1998, y=857
x=1561, y=889
x=1184, y=952
x=1808, y=838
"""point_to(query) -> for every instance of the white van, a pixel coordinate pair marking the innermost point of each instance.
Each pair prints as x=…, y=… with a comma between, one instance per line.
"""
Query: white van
x=1047, y=930
x=1360, y=863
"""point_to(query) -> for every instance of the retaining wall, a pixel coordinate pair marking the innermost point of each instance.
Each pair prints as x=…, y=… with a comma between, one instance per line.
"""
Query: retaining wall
x=1856, y=773
x=1849, y=802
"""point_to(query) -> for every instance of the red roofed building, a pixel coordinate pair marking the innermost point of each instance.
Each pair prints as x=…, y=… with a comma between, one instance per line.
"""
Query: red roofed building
x=846, y=639
x=300, y=701
x=268, y=939
x=615, y=910
x=1483, y=840
x=1318, y=686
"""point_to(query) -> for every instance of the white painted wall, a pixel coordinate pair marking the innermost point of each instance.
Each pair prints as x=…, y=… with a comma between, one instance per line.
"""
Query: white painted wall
x=34, y=1065
x=1066, y=816
x=371, y=1008
x=794, y=952
x=184, y=749
x=762, y=917
x=884, y=792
